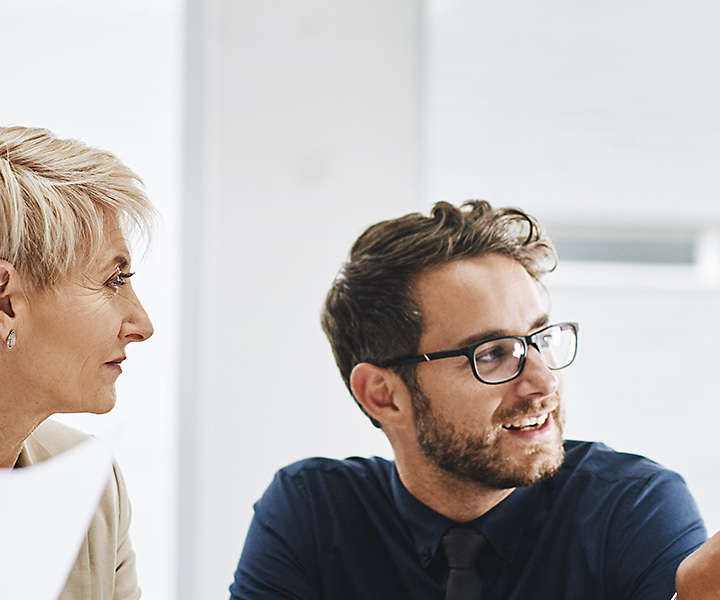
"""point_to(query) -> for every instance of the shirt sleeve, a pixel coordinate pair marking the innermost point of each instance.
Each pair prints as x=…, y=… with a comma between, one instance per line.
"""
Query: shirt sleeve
x=277, y=559
x=126, y=584
x=656, y=525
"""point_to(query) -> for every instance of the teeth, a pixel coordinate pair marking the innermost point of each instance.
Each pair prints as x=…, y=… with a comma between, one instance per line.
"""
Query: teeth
x=537, y=421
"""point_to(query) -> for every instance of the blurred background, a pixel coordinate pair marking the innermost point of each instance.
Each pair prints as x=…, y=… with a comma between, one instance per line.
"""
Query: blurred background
x=271, y=133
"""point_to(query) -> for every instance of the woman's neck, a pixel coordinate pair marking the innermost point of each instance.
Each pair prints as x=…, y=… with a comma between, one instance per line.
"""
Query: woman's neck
x=15, y=427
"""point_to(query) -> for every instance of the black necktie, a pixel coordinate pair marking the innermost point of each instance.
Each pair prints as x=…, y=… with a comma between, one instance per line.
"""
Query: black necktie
x=463, y=546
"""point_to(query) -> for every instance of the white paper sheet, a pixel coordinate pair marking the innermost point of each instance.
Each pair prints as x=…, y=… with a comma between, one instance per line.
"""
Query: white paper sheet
x=45, y=511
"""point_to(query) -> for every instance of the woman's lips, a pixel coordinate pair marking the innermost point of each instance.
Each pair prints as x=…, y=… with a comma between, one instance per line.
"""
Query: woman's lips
x=115, y=364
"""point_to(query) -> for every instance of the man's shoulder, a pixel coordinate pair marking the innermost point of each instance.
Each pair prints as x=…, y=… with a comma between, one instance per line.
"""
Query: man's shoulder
x=354, y=467
x=51, y=438
x=604, y=463
x=329, y=481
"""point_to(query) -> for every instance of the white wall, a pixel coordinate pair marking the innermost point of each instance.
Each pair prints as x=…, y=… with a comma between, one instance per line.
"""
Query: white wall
x=302, y=129
x=607, y=110
x=109, y=74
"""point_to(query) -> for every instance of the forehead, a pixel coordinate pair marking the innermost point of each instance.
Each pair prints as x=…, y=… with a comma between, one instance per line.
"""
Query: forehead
x=113, y=234
x=114, y=248
x=474, y=296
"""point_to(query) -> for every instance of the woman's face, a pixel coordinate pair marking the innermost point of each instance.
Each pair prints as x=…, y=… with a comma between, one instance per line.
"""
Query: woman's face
x=73, y=337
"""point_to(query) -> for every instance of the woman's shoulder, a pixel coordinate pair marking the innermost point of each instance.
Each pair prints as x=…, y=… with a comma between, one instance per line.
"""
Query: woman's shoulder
x=51, y=438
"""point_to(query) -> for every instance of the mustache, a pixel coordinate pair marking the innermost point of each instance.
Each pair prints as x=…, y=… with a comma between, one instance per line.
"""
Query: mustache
x=530, y=407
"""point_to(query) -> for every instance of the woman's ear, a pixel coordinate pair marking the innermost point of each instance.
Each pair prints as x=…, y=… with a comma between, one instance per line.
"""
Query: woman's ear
x=9, y=288
x=380, y=392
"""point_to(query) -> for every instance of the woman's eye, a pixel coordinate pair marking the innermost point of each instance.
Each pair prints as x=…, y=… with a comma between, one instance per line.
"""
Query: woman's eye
x=118, y=279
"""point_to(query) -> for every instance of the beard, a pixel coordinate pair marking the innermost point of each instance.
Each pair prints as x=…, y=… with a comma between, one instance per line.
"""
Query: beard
x=480, y=457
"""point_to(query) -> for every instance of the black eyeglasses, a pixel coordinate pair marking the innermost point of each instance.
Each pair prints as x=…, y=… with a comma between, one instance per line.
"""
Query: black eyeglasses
x=501, y=359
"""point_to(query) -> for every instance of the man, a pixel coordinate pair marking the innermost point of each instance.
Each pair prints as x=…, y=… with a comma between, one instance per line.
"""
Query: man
x=698, y=577
x=439, y=327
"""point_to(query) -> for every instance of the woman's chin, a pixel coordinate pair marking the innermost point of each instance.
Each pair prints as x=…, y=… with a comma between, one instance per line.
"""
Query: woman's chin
x=99, y=405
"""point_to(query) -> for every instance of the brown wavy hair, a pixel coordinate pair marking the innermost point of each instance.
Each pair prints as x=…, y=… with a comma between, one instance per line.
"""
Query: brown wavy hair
x=370, y=313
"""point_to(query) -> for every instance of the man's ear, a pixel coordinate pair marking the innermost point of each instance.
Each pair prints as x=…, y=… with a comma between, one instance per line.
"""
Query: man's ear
x=381, y=393
x=9, y=288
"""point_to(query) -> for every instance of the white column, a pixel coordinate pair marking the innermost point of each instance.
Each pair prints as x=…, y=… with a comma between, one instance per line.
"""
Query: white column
x=302, y=128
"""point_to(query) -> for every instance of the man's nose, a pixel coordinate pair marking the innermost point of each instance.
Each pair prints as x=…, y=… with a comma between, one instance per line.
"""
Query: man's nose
x=536, y=378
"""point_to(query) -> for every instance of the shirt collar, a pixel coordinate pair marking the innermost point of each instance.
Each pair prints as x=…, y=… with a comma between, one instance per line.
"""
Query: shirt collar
x=24, y=459
x=503, y=525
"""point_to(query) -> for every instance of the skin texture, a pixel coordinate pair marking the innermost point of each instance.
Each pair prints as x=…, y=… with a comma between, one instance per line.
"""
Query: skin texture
x=453, y=453
x=67, y=338
x=479, y=456
x=698, y=576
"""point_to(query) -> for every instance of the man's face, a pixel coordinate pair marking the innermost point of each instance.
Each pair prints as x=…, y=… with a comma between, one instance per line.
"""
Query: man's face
x=473, y=430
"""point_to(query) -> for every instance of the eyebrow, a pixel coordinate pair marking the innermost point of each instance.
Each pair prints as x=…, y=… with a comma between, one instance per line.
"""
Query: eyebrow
x=476, y=338
x=120, y=261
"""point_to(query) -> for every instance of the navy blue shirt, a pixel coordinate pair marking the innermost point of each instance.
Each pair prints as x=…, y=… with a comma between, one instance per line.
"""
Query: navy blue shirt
x=607, y=526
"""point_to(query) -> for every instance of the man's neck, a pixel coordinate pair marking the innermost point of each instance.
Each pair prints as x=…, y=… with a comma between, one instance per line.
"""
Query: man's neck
x=458, y=499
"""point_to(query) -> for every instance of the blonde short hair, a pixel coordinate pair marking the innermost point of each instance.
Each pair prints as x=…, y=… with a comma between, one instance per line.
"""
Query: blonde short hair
x=54, y=194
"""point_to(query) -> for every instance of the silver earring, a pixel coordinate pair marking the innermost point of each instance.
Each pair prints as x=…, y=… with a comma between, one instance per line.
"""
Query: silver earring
x=11, y=339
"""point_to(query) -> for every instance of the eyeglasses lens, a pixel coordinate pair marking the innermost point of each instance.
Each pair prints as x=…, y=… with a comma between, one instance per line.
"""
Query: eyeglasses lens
x=499, y=360
x=557, y=345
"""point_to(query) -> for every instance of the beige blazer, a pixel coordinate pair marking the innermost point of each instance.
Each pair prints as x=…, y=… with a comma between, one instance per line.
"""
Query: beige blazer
x=105, y=567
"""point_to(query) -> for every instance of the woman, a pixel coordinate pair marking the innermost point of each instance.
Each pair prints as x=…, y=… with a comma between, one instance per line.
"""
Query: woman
x=67, y=313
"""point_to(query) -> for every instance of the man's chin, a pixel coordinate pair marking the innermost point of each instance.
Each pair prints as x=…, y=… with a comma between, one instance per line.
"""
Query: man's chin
x=499, y=457
x=506, y=466
x=542, y=466
x=531, y=464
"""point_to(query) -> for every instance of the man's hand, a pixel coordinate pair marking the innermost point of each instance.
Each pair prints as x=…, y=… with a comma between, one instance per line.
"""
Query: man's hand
x=698, y=576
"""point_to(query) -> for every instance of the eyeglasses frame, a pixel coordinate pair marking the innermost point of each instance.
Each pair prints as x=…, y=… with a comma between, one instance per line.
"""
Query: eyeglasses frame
x=469, y=351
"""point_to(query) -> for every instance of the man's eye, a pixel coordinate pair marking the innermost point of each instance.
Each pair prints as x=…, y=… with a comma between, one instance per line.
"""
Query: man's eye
x=549, y=338
x=488, y=355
